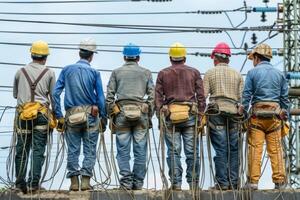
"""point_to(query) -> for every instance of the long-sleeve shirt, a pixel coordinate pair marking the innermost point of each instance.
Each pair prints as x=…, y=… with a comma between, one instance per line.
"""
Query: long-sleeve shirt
x=223, y=82
x=130, y=82
x=179, y=83
x=265, y=83
x=44, y=88
x=82, y=86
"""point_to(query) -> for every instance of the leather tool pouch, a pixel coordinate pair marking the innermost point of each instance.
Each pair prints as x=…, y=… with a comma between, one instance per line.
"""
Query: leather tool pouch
x=266, y=109
x=179, y=113
x=78, y=115
x=132, y=112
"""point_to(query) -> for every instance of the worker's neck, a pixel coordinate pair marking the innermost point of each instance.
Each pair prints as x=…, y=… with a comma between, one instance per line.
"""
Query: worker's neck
x=41, y=62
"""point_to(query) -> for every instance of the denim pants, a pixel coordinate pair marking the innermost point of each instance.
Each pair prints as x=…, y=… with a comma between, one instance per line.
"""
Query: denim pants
x=224, y=138
x=134, y=132
x=173, y=135
x=36, y=141
x=88, y=134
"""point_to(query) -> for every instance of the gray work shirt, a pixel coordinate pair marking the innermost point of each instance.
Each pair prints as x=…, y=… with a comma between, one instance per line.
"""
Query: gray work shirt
x=130, y=82
x=43, y=91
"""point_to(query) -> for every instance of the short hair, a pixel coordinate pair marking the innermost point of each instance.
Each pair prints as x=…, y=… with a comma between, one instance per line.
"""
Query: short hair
x=261, y=57
x=222, y=59
x=85, y=54
x=178, y=61
x=38, y=57
x=134, y=59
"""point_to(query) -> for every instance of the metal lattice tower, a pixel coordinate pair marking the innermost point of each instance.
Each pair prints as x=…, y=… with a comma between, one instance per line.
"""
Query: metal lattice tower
x=291, y=31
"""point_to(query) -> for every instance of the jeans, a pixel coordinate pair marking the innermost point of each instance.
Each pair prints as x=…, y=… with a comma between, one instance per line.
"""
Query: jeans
x=88, y=134
x=186, y=131
x=224, y=138
x=36, y=141
x=127, y=131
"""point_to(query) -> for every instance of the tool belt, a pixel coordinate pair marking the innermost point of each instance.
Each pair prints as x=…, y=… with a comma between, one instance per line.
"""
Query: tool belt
x=266, y=109
x=180, y=111
x=28, y=113
x=223, y=105
x=132, y=110
x=78, y=115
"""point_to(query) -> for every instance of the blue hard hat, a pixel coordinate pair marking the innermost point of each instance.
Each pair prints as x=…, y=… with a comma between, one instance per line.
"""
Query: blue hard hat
x=131, y=50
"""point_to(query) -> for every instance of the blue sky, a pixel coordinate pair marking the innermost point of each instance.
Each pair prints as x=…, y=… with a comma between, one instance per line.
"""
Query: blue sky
x=103, y=60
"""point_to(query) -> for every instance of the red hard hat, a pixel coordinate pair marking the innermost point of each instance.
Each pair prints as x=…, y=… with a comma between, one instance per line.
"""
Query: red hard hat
x=221, y=48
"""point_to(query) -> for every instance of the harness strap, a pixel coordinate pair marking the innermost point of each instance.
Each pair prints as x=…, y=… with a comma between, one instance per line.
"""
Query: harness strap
x=33, y=84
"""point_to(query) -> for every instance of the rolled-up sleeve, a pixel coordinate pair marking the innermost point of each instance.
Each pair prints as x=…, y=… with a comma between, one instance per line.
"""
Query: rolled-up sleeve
x=59, y=86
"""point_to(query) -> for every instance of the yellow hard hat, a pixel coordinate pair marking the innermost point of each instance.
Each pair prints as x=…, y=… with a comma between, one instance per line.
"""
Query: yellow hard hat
x=39, y=48
x=262, y=49
x=177, y=51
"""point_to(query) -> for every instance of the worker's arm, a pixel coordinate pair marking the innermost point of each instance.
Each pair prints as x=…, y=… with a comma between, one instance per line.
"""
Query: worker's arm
x=111, y=91
x=159, y=93
x=51, y=88
x=206, y=85
x=284, y=100
x=150, y=93
x=100, y=95
x=200, y=92
x=248, y=92
x=59, y=86
x=241, y=87
x=16, y=83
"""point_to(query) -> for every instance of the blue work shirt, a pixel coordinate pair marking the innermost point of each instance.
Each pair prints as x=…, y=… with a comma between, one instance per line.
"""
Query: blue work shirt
x=82, y=85
x=265, y=83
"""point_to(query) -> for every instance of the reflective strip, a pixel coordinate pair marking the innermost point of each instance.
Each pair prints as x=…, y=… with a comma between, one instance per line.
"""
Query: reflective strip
x=23, y=131
x=41, y=127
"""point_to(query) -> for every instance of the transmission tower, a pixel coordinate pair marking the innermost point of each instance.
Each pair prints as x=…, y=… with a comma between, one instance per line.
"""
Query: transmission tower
x=291, y=37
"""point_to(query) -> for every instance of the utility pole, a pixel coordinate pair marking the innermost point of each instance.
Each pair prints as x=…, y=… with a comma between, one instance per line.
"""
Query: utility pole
x=291, y=30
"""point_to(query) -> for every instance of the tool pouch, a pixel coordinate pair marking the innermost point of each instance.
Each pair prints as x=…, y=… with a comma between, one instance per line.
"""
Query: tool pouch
x=179, y=113
x=266, y=109
x=132, y=112
x=78, y=115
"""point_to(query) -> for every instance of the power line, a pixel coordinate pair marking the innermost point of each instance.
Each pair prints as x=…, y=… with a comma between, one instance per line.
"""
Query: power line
x=197, y=29
x=64, y=2
x=118, y=45
x=203, y=12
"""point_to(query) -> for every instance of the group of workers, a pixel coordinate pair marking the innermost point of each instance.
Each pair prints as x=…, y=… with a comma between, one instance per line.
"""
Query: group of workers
x=179, y=101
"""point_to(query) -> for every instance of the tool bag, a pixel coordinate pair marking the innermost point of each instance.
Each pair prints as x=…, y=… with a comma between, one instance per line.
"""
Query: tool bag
x=266, y=109
x=29, y=111
x=78, y=115
x=179, y=112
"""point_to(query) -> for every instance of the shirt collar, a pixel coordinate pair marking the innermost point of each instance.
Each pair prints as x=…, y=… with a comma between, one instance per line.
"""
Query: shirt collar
x=36, y=65
x=131, y=63
x=222, y=64
x=84, y=61
x=263, y=63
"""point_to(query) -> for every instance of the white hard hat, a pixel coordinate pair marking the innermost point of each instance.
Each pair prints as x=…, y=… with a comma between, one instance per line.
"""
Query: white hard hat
x=88, y=44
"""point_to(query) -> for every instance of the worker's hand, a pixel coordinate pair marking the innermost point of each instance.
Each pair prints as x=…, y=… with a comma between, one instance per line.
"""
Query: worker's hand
x=61, y=125
x=165, y=110
x=283, y=115
x=103, y=124
x=94, y=111
x=240, y=109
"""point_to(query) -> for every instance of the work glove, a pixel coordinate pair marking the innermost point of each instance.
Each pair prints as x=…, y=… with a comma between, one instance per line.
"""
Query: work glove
x=201, y=124
x=165, y=110
x=61, y=125
x=102, y=124
x=283, y=115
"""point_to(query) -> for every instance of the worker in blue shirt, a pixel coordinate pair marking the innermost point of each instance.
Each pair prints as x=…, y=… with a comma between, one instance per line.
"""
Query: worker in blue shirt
x=84, y=103
x=266, y=90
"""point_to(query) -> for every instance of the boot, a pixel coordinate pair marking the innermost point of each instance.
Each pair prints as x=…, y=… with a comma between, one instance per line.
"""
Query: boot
x=74, y=183
x=85, y=183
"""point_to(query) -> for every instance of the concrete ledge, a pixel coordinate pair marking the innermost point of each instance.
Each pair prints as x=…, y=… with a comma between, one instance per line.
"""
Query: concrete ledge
x=156, y=195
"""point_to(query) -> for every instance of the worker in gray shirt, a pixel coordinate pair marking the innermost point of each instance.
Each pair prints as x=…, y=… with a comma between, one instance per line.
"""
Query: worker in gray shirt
x=32, y=88
x=130, y=102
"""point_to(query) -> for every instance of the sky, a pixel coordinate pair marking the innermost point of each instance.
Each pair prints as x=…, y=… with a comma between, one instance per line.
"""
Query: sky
x=108, y=61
